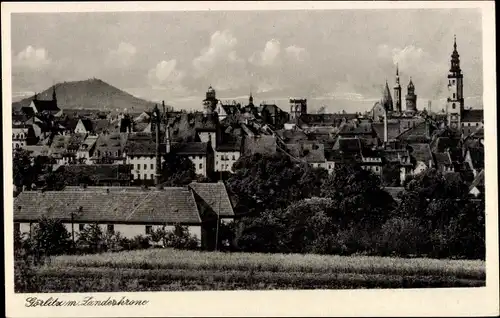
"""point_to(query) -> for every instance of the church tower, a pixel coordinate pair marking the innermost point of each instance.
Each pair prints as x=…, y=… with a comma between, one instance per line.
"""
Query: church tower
x=411, y=98
x=455, y=101
x=397, y=92
x=210, y=101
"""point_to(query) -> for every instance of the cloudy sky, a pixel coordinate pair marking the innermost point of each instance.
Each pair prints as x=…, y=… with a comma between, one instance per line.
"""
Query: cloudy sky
x=322, y=55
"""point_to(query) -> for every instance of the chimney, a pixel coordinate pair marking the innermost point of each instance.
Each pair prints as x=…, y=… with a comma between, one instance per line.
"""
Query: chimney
x=385, y=127
x=429, y=107
x=163, y=105
x=156, y=112
x=167, y=140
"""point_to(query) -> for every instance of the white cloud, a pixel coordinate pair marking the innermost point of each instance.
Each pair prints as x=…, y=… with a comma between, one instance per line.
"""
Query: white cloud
x=122, y=56
x=32, y=58
x=269, y=55
x=297, y=53
x=166, y=76
x=219, y=53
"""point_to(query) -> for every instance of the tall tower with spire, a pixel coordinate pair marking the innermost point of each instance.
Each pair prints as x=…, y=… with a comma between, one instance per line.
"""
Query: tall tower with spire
x=455, y=101
x=411, y=98
x=397, y=92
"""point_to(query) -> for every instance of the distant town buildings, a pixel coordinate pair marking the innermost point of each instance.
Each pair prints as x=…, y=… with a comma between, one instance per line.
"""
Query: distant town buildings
x=389, y=137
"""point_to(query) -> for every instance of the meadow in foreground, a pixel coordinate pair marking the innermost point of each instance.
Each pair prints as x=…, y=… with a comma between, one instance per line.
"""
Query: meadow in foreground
x=169, y=269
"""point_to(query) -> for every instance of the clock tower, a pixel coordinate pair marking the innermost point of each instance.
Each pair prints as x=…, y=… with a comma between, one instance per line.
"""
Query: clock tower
x=455, y=101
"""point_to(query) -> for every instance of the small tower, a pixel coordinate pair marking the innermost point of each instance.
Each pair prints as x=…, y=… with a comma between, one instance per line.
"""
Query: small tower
x=250, y=100
x=411, y=98
x=298, y=107
x=156, y=114
x=455, y=101
x=397, y=92
x=210, y=101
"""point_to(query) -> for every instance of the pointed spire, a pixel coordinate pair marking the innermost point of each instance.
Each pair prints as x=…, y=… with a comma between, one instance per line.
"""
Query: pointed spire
x=455, y=42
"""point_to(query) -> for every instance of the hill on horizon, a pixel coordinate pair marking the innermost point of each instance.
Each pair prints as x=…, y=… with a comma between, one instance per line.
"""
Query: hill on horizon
x=90, y=94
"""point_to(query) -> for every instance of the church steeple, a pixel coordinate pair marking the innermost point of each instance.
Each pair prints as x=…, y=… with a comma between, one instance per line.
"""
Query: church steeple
x=387, y=98
x=397, y=91
x=455, y=101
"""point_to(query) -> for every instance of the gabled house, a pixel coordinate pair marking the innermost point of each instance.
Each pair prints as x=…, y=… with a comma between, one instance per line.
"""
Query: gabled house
x=443, y=162
x=131, y=211
x=422, y=156
x=86, y=150
x=311, y=153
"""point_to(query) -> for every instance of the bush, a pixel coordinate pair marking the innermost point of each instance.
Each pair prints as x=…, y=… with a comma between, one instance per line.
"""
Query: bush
x=180, y=238
x=402, y=237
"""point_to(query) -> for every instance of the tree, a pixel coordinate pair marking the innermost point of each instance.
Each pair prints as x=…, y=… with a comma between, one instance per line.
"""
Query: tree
x=177, y=170
x=358, y=196
x=91, y=239
x=23, y=172
x=50, y=237
x=272, y=182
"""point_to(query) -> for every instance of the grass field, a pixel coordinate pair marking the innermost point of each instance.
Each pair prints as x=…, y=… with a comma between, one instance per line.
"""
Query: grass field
x=167, y=269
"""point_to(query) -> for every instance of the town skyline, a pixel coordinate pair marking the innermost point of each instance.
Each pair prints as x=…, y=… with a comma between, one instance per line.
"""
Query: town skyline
x=278, y=61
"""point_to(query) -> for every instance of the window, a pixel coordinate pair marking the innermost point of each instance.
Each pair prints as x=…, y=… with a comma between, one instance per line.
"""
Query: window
x=149, y=229
x=453, y=82
x=111, y=229
x=145, y=176
x=138, y=166
x=152, y=176
x=477, y=124
x=152, y=166
x=81, y=227
x=453, y=105
x=454, y=95
x=138, y=177
x=201, y=166
x=200, y=157
x=234, y=158
x=145, y=166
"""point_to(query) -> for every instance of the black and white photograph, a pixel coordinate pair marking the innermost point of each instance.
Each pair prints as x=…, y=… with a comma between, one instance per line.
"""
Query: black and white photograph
x=185, y=150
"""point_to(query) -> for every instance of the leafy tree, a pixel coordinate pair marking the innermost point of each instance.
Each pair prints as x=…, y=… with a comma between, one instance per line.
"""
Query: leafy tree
x=402, y=236
x=358, y=197
x=23, y=172
x=50, y=237
x=91, y=239
x=180, y=238
x=262, y=233
x=272, y=181
x=177, y=170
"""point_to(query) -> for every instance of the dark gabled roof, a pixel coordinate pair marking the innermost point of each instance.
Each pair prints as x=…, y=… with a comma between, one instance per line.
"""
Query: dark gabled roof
x=477, y=157
x=472, y=116
x=419, y=131
x=140, y=147
x=46, y=105
x=259, y=144
x=87, y=123
x=88, y=143
x=421, y=152
x=311, y=153
x=342, y=157
x=345, y=145
x=100, y=125
x=215, y=196
x=291, y=136
x=170, y=205
x=70, y=124
x=111, y=142
x=440, y=144
x=190, y=148
x=63, y=143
